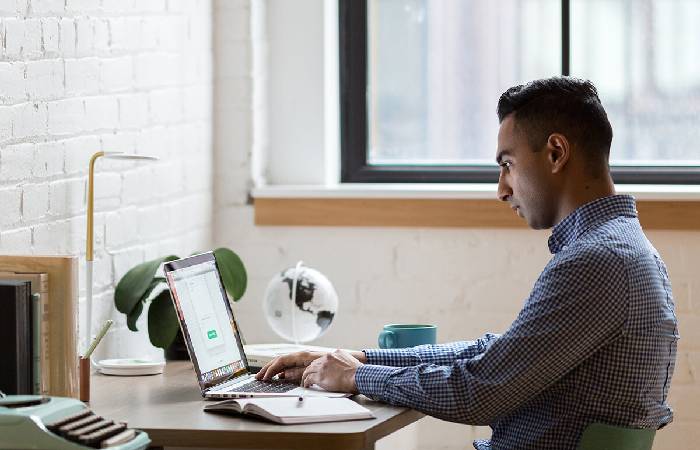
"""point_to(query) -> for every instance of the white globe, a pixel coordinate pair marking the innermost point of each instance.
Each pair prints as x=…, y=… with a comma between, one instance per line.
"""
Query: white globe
x=308, y=314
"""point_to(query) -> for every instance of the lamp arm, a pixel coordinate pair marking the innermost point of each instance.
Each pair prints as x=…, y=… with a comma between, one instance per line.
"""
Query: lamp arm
x=88, y=300
x=89, y=253
x=90, y=206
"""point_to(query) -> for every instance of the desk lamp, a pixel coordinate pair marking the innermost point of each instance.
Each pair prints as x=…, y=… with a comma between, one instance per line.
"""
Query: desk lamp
x=90, y=204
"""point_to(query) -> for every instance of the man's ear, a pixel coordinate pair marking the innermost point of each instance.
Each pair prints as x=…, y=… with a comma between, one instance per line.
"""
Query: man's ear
x=558, y=151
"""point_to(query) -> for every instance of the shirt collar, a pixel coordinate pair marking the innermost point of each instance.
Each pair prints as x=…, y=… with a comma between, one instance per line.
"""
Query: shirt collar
x=588, y=215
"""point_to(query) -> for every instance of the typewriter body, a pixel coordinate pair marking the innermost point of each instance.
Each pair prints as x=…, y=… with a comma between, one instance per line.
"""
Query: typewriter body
x=59, y=423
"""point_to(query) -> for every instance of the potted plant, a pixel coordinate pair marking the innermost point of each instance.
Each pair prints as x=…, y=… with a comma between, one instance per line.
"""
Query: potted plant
x=141, y=285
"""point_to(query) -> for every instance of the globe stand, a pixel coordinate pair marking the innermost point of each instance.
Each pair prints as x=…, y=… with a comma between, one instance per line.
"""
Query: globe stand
x=294, y=301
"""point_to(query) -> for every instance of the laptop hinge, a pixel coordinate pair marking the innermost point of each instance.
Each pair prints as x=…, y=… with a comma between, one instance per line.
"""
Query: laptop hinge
x=233, y=382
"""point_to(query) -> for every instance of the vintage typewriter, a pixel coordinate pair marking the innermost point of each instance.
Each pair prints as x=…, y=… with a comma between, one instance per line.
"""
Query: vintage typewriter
x=59, y=423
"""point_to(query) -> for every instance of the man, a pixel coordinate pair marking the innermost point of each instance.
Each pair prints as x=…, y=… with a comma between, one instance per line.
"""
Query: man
x=596, y=338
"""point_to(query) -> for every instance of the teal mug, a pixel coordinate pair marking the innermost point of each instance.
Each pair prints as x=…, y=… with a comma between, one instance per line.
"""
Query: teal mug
x=410, y=335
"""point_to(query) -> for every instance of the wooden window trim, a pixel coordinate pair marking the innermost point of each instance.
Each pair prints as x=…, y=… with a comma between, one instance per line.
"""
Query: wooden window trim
x=441, y=213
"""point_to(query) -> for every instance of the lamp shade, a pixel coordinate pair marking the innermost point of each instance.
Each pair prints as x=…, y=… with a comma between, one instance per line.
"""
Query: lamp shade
x=122, y=155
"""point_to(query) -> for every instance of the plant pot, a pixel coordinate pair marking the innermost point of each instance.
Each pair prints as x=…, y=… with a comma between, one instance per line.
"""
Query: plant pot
x=177, y=351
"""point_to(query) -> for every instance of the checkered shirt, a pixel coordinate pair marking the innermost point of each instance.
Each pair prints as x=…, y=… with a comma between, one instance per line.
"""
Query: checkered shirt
x=594, y=342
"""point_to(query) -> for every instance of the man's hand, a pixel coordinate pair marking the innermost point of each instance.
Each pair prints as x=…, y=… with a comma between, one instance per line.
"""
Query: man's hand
x=290, y=367
x=333, y=372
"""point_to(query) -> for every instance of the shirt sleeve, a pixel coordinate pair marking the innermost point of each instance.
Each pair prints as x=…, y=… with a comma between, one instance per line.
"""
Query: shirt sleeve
x=576, y=307
x=435, y=354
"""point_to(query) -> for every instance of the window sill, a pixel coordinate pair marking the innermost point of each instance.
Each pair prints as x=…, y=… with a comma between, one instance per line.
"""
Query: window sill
x=666, y=207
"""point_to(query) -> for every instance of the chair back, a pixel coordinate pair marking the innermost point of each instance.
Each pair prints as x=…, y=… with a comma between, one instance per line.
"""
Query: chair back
x=599, y=436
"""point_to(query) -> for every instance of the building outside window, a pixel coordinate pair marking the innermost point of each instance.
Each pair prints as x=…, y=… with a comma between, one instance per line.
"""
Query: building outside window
x=433, y=72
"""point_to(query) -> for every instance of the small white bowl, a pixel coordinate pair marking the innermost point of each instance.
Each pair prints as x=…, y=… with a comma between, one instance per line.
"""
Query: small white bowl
x=130, y=366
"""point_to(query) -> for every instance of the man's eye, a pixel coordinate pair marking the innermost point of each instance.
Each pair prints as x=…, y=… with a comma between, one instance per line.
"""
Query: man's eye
x=506, y=164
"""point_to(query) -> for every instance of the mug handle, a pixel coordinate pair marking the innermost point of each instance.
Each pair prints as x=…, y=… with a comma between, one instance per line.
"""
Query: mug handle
x=387, y=339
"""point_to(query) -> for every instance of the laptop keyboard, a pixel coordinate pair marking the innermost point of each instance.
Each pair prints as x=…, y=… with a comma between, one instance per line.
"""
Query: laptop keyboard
x=264, y=386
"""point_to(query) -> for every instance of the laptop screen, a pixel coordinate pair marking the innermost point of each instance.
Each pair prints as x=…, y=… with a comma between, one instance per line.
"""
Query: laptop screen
x=206, y=319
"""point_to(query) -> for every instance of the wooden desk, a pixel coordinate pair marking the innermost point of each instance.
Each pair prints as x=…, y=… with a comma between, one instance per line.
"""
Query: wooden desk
x=169, y=408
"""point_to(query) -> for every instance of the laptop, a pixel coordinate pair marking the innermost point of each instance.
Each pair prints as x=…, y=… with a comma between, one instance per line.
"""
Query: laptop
x=213, y=337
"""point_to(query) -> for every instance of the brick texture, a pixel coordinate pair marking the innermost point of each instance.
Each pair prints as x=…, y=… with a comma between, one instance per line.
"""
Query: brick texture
x=80, y=76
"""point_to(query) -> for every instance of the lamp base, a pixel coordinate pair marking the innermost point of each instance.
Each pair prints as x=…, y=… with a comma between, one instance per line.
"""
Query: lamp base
x=130, y=367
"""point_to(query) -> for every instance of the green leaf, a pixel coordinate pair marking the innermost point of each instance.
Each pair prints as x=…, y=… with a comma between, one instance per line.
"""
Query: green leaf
x=133, y=316
x=134, y=284
x=162, y=320
x=135, y=313
x=232, y=271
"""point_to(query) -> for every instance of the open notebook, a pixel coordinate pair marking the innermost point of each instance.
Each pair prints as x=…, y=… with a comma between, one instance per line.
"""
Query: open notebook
x=291, y=410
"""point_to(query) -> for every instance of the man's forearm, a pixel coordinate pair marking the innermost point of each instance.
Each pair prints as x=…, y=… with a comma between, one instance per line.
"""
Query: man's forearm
x=360, y=356
x=440, y=391
x=442, y=354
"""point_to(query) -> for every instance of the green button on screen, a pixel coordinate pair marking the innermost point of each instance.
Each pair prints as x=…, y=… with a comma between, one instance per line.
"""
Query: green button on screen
x=211, y=334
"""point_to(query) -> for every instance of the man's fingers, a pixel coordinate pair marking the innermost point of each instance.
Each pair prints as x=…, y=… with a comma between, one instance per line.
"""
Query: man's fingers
x=309, y=377
x=274, y=367
x=303, y=376
x=312, y=373
x=267, y=370
x=282, y=363
x=263, y=370
x=293, y=374
x=310, y=380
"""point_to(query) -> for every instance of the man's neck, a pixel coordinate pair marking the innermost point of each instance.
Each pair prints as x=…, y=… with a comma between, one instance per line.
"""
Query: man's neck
x=585, y=192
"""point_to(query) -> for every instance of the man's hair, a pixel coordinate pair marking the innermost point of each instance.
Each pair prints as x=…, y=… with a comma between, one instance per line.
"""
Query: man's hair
x=565, y=105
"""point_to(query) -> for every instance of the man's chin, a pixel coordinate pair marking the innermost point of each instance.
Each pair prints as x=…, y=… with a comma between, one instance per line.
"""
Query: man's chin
x=537, y=224
x=519, y=213
x=531, y=222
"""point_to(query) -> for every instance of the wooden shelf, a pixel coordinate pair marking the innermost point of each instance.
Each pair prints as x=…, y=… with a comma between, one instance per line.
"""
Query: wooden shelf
x=448, y=213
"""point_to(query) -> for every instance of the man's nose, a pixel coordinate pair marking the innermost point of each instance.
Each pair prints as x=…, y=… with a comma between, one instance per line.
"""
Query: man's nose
x=504, y=191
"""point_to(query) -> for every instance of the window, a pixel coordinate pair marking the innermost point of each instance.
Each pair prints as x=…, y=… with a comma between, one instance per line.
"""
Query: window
x=420, y=80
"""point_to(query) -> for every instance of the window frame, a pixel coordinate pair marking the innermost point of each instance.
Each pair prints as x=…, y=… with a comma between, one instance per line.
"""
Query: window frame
x=354, y=127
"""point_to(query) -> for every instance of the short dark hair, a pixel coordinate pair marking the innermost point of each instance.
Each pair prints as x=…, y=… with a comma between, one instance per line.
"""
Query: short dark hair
x=565, y=105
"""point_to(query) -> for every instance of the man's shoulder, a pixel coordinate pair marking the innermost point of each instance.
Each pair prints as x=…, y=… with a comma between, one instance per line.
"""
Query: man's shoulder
x=621, y=237
x=585, y=259
x=603, y=252
x=588, y=250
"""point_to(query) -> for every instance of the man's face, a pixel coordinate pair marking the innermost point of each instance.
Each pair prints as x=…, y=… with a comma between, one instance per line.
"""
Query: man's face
x=525, y=179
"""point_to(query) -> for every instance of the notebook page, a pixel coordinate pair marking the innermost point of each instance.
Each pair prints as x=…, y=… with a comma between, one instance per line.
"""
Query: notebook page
x=311, y=407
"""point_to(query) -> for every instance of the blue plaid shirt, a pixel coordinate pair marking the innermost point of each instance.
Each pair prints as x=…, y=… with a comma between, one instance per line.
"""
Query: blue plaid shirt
x=594, y=342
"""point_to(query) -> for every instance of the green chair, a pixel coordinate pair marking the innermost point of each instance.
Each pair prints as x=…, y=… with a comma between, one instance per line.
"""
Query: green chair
x=598, y=436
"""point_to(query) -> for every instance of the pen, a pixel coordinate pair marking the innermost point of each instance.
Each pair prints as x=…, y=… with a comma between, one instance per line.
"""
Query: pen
x=303, y=392
x=98, y=338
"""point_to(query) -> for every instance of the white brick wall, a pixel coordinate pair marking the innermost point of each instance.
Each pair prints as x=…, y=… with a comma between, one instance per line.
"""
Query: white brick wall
x=81, y=76
x=465, y=281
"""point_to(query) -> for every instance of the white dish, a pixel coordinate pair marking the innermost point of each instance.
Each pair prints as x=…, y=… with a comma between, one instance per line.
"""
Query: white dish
x=130, y=367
